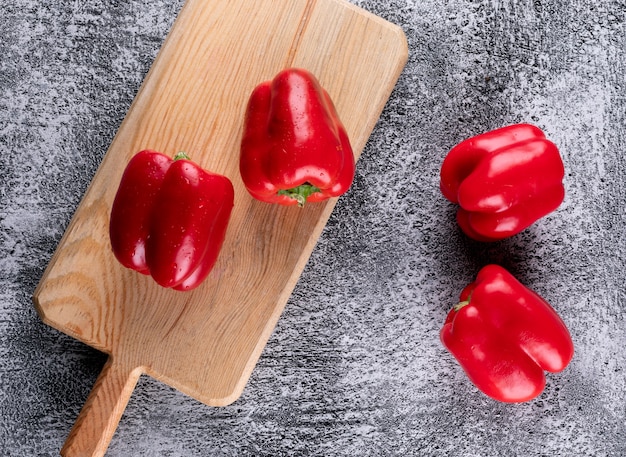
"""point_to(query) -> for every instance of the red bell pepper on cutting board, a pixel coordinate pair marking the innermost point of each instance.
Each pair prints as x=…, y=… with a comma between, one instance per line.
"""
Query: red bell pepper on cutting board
x=504, y=336
x=294, y=147
x=503, y=180
x=169, y=219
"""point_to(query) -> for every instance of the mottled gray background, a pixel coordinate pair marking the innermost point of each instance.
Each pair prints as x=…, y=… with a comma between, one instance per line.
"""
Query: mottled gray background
x=354, y=367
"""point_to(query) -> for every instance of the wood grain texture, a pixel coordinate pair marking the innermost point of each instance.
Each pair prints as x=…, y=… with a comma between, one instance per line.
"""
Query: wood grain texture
x=206, y=342
x=102, y=411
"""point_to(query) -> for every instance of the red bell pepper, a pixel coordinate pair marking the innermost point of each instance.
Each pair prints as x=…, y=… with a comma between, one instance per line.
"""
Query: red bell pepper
x=294, y=148
x=504, y=336
x=169, y=219
x=503, y=180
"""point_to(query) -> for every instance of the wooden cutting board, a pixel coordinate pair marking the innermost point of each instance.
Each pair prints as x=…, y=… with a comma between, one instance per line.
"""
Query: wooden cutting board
x=205, y=343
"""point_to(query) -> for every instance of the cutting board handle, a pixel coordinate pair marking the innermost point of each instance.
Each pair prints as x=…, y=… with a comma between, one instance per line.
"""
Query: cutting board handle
x=97, y=421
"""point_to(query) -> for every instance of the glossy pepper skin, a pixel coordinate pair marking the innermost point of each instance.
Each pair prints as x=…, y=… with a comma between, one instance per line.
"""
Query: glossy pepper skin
x=294, y=147
x=504, y=336
x=169, y=219
x=503, y=181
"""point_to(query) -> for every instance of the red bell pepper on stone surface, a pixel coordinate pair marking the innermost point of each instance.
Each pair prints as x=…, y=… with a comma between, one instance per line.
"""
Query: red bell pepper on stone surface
x=169, y=219
x=294, y=148
x=503, y=180
x=504, y=336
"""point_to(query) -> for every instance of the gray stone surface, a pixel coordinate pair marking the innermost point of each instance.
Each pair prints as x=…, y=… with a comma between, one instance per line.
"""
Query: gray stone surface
x=354, y=366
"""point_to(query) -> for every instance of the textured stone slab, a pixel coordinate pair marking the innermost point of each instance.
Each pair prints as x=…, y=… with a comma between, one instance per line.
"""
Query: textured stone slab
x=354, y=366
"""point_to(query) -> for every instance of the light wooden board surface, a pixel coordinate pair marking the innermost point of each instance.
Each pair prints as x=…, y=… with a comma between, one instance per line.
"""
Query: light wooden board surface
x=206, y=342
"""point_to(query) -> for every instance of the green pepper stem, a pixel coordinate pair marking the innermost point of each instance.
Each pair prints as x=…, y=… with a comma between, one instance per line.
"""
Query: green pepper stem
x=181, y=155
x=463, y=303
x=300, y=193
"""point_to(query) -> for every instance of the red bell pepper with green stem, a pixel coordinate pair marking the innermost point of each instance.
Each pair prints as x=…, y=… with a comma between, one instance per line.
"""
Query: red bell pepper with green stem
x=503, y=180
x=169, y=219
x=294, y=147
x=504, y=336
